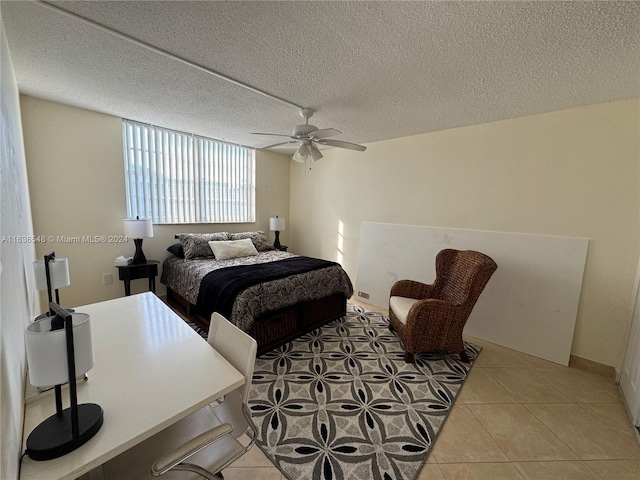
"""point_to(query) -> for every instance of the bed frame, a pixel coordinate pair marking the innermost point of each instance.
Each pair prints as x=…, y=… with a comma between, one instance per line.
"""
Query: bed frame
x=276, y=328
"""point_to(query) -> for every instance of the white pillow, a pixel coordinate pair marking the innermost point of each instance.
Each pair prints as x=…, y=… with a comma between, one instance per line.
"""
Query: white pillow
x=226, y=249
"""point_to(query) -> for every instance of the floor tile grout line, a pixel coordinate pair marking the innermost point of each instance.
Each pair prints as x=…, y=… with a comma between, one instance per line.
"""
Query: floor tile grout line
x=482, y=426
x=609, y=427
x=539, y=421
x=577, y=454
x=490, y=436
x=578, y=461
x=592, y=470
x=542, y=379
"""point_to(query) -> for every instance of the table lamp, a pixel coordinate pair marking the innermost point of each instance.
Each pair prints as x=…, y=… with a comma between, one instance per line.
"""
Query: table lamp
x=138, y=229
x=51, y=273
x=276, y=225
x=60, y=348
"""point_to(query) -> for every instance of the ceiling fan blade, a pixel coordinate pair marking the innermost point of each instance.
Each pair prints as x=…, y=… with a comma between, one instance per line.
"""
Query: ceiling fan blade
x=277, y=144
x=325, y=132
x=341, y=144
x=272, y=134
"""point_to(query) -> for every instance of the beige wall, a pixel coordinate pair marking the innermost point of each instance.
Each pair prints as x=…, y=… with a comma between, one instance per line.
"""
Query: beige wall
x=76, y=183
x=572, y=173
x=569, y=173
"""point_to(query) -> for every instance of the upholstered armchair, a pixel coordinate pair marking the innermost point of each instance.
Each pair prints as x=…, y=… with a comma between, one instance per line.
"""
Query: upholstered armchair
x=432, y=317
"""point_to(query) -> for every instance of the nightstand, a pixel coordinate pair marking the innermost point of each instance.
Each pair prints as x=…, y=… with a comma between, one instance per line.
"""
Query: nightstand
x=130, y=272
x=283, y=248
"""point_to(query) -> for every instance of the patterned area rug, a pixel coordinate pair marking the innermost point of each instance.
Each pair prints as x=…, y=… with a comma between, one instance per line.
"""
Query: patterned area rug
x=200, y=331
x=341, y=403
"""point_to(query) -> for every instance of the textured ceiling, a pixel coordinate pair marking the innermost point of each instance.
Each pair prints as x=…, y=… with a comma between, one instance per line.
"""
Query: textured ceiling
x=373, y=70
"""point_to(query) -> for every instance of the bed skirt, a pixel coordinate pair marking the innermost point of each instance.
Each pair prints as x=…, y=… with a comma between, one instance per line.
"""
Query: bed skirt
x=276, y=328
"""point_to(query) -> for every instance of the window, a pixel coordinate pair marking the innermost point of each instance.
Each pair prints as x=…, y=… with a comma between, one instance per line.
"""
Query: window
x=174, y=177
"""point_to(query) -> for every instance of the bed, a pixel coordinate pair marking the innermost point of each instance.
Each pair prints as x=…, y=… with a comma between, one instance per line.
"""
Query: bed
x=273, y=295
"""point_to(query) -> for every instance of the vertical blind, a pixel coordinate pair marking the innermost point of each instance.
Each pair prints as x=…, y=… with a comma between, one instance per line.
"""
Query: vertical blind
x=175, y=177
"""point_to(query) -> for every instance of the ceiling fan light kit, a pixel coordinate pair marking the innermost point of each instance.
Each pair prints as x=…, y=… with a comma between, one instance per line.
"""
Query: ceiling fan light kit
x=307, y=136
x=306, y=150
x=302, y=153
x=315, y=153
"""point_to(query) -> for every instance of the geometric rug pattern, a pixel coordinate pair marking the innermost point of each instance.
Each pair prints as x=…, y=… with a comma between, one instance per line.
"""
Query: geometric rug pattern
x=340, y=403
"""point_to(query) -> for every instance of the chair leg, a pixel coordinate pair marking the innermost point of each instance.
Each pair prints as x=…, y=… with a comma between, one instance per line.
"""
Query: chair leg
x=464, y=357
x=409, y=357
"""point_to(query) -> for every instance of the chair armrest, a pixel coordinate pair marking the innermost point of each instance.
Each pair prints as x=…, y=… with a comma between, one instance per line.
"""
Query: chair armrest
x=168, y=461
x=431, y=313
x=411, y=289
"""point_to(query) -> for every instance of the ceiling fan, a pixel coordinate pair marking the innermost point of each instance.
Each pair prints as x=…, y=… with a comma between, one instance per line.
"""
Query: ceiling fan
x=308, y=135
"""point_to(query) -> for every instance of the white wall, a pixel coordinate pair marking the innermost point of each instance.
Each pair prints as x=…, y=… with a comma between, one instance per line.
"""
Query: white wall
x=568, y=173
x=17, y=303
x=80, y=152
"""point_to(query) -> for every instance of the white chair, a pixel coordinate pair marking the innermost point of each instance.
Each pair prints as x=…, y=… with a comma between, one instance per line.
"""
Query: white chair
x=207, y=441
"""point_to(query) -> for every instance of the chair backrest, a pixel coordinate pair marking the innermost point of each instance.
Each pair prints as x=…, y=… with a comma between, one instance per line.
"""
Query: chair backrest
x=461, y=275
x=237, y=347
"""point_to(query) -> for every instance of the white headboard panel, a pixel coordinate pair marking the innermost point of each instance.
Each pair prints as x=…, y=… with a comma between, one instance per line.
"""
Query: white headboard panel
x=531, y=302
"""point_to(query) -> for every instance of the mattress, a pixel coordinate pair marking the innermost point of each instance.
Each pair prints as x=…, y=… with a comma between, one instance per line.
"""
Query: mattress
x=185, y=277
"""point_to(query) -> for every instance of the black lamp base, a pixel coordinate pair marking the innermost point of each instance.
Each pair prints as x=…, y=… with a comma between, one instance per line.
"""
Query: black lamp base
x=53, y=438
x=276, y=244
x=138, y=257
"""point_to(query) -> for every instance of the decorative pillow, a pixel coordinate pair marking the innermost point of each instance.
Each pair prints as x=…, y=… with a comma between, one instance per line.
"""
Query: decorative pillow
x=224, y=250
x=258, y=238
x=176, y=249
x=197, y=244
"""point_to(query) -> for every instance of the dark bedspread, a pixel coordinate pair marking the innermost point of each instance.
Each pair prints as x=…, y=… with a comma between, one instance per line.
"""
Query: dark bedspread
x=219, y=288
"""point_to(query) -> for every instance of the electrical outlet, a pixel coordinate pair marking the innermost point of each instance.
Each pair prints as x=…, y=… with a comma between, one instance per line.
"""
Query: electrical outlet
x=107, y=279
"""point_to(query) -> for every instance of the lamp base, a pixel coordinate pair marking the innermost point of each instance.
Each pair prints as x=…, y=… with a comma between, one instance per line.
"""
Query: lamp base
x=53, y=437
x=138, y=257
x=276, y=244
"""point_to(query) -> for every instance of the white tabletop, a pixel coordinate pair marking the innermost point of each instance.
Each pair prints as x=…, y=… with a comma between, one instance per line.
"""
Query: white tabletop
x=151, y=369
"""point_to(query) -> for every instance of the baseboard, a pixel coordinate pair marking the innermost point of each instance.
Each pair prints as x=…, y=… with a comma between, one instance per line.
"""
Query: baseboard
x=591, y=366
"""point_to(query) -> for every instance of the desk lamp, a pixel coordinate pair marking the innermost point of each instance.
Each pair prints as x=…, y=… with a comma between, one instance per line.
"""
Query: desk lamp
x=138, y=229
x=51, y=273
x=60, y=348
x=276, y=224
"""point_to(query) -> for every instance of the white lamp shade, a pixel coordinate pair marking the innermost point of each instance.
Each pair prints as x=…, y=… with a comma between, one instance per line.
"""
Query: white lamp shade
x=47, y=350
x=315, y=153
x=276, y=224
x=301, y=154
x=138, y=228
x=58, y=272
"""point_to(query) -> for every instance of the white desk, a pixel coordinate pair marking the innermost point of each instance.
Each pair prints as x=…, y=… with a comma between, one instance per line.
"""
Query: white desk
x=151, y=370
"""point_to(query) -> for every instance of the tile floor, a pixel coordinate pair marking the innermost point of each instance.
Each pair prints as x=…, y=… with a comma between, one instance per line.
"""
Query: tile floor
x=519, y=418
